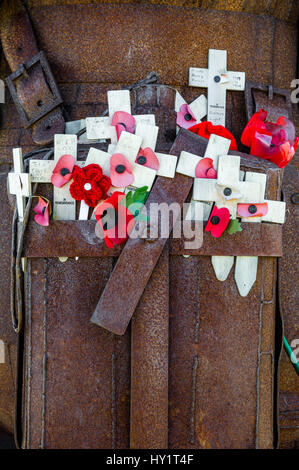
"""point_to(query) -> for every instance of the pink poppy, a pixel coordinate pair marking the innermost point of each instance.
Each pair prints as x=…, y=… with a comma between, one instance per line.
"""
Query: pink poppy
x=63, y=170
x=42, y=212
x=205, y=169
x=276, y=142
x=120, y=171
x=115, y=219
x=185, y=117
x=123, y=121
x=148, y=158
x=218, y=221
x=252, y=210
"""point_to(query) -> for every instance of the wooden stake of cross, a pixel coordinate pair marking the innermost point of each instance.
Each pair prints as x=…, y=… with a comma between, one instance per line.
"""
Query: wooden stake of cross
x=217, y=80
x=19, y=183
x=187, y=165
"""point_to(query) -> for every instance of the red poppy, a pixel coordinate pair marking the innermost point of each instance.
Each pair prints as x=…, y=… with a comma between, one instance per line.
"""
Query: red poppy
x=276, y=142
x=89, y=185
x=206, y=128
x=42, y=212
x=185, y=117
x=147, y=157
x=218, y=221
x=115, y=219
x=252, y=210
x=205, y=169
x=62, y=172
x=123, y=121
x=120, y=171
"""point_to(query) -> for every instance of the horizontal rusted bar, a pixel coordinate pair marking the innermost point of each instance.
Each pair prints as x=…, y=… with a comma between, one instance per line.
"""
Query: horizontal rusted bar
x=77, y=238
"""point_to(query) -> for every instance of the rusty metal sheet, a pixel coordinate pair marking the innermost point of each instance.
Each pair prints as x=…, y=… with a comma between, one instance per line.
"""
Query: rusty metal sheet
x=7, y=334
x=139, y=255
x=77, y=390
x=69, y=238
x=214, y=360
x=149, y=363
x=138, y=258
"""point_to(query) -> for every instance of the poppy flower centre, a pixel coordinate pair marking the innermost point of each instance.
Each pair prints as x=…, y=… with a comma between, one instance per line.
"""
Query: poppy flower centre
x=217, y=79
x=141, y=159
x=87, y=186
x=188, y=117
x=64, y=171
x=109, y=218
x=252, y=209
x=120, y=169
x=215, y=220
x=227, y=191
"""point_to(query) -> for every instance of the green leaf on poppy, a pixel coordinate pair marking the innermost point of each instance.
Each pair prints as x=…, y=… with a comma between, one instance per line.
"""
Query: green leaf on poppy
x=233, y=226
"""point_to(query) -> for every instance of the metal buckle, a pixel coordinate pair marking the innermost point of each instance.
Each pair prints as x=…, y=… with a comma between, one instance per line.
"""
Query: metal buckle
x=23, y=71
x=272, y=92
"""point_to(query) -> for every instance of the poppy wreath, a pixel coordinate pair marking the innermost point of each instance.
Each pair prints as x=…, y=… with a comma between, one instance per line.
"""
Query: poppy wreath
x=89, y=184
x=275, y=142
x=206, y=128
x=115, y=219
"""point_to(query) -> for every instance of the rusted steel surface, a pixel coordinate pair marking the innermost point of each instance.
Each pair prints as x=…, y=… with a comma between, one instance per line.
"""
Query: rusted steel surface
x=69, y=238
x=139, y=257
x=266, y=50
x=289, y=301
x=77, y=389
x=149, y=363
x=275, y=101
x=7, y=335
x=32, y=88
x=160, y=100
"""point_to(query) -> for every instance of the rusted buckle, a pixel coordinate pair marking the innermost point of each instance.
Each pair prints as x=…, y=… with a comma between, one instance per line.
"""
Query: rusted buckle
x=276, y=101
x=24, y=71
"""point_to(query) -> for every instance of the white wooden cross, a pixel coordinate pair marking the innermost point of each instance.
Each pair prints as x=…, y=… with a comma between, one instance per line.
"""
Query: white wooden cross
x=100, y=127
x=251, y=190
x=201, y=210
x=198, y=107
x=64, y=206
x=19, y=183
x=217, y=79
x=246, y=266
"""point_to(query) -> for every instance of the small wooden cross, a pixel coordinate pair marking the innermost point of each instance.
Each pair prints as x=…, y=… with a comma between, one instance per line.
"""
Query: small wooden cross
x=64, y=206
x=246, y=266
x=19, y=183
x=198, y=107
x=100, y=127
x=208, y=191
x=217, y=80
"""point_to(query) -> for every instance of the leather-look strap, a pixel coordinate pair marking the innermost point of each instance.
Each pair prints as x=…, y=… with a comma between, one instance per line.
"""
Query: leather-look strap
x=31, y=84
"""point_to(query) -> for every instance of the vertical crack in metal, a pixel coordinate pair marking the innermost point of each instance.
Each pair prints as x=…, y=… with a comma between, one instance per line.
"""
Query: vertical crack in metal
x=193, y=400
x=113, y=397
x=259, y=357
x=197, y=302
x=44, y=365
x=28, y=355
